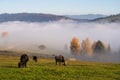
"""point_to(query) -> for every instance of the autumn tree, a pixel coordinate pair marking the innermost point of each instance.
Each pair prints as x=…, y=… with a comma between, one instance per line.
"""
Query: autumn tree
x=75, y=46
x=4, y=34
x=83, y=46
x=105, y=46
x=86, y=46
x=93, y=45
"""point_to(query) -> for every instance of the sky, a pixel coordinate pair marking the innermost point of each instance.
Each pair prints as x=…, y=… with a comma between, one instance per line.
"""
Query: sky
x=61, y=7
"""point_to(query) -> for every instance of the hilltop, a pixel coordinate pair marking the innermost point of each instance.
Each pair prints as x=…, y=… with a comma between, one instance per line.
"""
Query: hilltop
x=108, y=19
x=32, y=17
x=86, y=16
x=41, y=17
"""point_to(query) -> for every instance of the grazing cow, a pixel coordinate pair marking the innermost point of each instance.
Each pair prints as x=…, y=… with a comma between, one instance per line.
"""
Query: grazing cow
x=35, y=58
x=23, y=60
x=60, y=59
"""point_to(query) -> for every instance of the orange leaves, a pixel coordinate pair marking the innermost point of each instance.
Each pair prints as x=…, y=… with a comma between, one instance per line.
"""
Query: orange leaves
x=86, y=46
x=75, y=46
x=4, y=34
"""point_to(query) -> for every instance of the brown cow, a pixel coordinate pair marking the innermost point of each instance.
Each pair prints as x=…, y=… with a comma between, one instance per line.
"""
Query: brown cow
x=35, y=58
x=60, y=59
x=23, y=60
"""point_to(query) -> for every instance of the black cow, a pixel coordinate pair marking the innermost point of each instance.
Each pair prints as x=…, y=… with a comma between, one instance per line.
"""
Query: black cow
x=23, y=60
x=60, y=59
x=35, y=58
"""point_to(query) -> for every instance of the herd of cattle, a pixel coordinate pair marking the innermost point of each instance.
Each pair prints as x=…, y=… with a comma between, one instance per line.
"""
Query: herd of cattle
x=24, y=59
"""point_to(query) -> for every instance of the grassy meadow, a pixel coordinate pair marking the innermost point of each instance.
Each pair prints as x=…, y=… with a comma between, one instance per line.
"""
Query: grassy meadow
x=45, y=69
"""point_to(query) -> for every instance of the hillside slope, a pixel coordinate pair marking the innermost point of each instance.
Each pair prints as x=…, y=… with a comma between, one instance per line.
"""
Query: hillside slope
x=31, y=17
x=109, y=19
x=86, y=16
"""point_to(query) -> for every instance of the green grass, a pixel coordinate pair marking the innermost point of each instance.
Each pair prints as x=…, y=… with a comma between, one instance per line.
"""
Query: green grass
x=45, y=69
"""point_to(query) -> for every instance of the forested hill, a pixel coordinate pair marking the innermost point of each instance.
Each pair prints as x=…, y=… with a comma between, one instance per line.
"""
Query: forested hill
x=31, y=17
x=86, y=16
x=109, y=19
x=40, y=17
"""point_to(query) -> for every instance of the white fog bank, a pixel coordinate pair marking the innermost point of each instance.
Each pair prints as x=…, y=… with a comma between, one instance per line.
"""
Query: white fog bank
x=57, y=34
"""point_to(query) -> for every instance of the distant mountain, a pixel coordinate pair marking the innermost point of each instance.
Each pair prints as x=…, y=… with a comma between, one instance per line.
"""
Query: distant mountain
x=31, y=17
x=110, y=19
x=87, y=16
x=39, y=17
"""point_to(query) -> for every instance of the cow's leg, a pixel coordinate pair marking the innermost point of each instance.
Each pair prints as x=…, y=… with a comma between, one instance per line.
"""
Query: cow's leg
x=56, y=62
x=59, y=63
x=22, y=64
x=25, y=64
x=19, y=64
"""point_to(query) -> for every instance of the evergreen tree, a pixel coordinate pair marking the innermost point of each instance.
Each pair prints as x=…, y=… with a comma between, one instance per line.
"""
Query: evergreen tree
x=109, y=48
x=99, y=47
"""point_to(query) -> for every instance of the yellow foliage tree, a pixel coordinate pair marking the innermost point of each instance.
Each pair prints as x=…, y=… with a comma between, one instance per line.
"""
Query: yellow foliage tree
x=105, y=46
x=75, y=46
x=4, y=34
x=93, y=45
x=86, y=46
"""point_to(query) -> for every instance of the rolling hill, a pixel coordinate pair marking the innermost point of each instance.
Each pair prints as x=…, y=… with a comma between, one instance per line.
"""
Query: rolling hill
x=31, y=17
x=86, y=16
x=40, y=17
x=108, y=19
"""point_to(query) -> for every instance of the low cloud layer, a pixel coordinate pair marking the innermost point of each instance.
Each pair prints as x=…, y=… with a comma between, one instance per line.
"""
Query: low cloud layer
x=57, y=34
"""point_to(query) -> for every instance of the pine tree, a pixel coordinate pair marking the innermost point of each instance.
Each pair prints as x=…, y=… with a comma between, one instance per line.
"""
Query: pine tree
x=109, y=48
x=99, y=47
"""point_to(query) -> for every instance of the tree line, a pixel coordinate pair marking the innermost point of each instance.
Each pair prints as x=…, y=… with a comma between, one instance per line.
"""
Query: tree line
x=85, y=47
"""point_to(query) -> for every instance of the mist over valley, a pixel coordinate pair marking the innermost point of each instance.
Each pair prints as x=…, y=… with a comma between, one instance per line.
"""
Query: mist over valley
x=58, y=34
